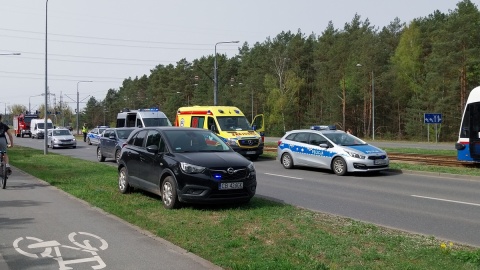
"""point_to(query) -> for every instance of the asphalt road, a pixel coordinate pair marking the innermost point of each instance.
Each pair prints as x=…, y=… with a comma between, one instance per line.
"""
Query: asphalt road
x=432, y=204
x=45, y=228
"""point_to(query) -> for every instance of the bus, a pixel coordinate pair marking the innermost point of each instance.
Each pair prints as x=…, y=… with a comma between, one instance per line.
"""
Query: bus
x=468, y=144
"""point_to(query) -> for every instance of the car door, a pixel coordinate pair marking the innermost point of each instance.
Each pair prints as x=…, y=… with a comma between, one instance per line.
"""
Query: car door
x=151, y=162
x=108, y=144
x=132, y=159
x=317, y=156
x=299, y=148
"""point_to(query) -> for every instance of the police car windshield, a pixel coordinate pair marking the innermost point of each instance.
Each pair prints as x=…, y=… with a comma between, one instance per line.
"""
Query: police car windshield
x=344, y=139
x=232, y=123
x=156, y=122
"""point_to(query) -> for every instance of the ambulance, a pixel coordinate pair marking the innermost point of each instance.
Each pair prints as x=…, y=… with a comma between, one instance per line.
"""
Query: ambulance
x=229, y=123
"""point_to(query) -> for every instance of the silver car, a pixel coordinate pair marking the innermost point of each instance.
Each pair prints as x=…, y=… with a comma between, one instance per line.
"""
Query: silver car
x=327, y=148
x=61, y=138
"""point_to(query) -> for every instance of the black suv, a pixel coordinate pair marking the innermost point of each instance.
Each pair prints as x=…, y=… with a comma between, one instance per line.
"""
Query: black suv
x=188, y=165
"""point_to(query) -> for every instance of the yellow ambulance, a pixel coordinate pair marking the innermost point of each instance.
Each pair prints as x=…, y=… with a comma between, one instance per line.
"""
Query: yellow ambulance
x=229, y=123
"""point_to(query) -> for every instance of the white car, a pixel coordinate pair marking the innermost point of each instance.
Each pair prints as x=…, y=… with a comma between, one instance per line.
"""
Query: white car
x=328, y=148
x=61, y=138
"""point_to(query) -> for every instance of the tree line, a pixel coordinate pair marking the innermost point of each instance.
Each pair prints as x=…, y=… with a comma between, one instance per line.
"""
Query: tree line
x=339, y=77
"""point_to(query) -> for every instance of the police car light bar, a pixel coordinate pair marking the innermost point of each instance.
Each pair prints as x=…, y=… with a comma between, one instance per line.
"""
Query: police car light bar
x=324, y=127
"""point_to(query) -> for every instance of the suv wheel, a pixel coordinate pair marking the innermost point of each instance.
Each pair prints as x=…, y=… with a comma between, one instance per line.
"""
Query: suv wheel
x=169, y=193
x=123, y=184
x=339, y=166
x=100, y=157
x=117, y=155
x=287, y=161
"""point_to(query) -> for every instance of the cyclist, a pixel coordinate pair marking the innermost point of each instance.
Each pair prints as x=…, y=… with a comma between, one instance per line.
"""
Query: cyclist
x=3, y=142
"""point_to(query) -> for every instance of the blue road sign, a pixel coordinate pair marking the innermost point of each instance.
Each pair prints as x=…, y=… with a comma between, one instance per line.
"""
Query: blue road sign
x=432, y=118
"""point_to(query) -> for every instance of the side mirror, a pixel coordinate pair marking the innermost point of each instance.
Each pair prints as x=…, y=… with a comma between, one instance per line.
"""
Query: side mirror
x=213, y=128
x=254, y=127
x=152, y=149
x=323, y=145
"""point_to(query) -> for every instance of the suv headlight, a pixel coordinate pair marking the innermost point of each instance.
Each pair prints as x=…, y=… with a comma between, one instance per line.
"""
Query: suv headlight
x=251, y=168
x=190, y=169
x=232, y=141
x=355, y=155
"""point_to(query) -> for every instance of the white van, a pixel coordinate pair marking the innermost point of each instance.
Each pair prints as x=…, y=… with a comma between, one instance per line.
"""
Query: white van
x=142, y=118
x=37, y=127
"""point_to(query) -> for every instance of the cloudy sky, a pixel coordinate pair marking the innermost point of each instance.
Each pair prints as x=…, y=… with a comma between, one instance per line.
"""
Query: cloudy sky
x=106, y=41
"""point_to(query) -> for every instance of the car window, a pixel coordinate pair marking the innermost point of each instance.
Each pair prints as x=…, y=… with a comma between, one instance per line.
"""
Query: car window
x=317, y=139
x=123, y=134
x=140, y=138
x=301, y=137
x=153, y=138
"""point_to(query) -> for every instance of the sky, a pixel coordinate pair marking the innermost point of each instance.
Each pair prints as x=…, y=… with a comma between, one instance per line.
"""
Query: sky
x=93, y=45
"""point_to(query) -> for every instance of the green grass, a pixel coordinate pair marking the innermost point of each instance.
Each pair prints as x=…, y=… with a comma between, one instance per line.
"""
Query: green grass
x=260, y=235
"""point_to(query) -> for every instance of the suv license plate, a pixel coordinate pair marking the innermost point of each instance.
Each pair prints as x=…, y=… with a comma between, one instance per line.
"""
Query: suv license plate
x=251, y=152
x=232, y=185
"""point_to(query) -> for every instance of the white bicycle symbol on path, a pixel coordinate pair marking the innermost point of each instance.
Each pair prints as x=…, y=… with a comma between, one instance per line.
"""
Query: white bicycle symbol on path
x=44, y=249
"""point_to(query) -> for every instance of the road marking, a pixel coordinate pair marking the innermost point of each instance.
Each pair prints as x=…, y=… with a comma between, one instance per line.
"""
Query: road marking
x=445, y=200
x=284, y=176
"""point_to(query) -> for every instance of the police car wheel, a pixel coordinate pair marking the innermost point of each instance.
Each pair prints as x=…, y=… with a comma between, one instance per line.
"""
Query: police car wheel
x=339, y=166
x=287, y=161
x=89, y=142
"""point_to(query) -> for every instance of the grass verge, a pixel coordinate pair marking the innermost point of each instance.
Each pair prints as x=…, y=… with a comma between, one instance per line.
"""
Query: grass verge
x=260, y=235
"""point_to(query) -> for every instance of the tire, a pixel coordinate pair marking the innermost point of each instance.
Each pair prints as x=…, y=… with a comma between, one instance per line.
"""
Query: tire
x=123, y=184
x=287, y=161
x=89, y=142
x=169, y=193
x=4, y=176
x=339, y=166
x=117, y=155
x=100, y=157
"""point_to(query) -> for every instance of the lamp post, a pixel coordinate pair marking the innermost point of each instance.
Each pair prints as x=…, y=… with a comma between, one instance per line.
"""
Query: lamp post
x=45, y=148
x=373, y=102
x=215, y=73
x=78, y=107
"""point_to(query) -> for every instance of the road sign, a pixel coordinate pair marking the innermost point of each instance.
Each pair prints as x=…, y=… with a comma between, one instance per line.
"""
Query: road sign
x=432, y=118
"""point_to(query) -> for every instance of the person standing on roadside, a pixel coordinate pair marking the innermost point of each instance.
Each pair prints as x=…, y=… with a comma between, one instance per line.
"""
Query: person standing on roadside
x=3, y=142
x=84, y=131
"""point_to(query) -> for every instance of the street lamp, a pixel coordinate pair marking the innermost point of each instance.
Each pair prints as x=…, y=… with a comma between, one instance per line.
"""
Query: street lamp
x=78, y=107
x=215, y=73
x=45, y=146
x=373, y=103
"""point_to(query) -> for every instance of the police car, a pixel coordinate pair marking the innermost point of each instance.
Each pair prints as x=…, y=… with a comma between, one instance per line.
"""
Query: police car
x=93, y=136
x=328, y=148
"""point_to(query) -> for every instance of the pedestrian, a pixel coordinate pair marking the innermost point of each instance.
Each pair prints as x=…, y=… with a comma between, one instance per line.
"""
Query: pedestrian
x=85, y=131
x=349, y=131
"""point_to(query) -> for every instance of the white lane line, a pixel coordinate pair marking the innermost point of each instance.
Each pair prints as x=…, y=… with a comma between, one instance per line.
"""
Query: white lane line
x=445, y=200
x=283, y=176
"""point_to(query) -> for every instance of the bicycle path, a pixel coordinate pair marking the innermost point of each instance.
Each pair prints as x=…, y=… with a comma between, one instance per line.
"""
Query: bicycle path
x=42, y=227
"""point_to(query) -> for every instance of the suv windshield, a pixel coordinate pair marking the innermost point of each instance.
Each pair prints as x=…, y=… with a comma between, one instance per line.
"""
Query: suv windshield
x=156, y=122
x=195, y=141
x=232, y=123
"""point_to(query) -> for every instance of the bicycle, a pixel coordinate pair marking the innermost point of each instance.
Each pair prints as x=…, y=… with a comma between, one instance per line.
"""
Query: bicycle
x=3, y=170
